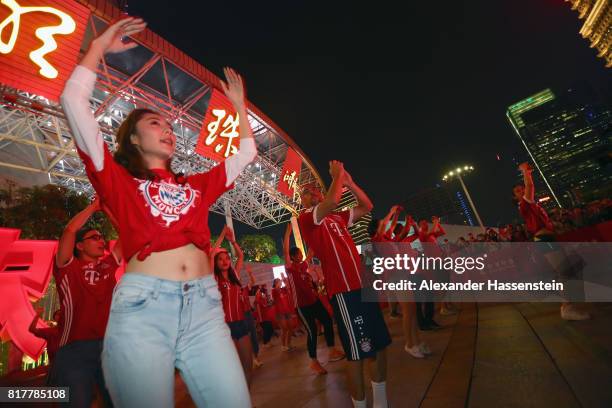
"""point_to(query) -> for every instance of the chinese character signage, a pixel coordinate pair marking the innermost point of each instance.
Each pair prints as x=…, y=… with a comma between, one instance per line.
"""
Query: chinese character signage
x=291, y=173
x=219, y=137
x=40, y=42
x=25, y=272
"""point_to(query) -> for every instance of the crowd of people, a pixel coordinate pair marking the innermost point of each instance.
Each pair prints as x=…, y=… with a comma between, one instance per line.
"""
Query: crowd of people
x=181, y=303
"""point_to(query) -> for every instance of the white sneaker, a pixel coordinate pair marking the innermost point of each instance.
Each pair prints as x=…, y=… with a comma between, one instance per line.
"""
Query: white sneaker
x=414, y=351
x=424, y=348
x=571, y=313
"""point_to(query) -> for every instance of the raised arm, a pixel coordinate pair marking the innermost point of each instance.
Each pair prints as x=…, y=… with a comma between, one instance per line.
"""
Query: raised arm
x=332, y=198
x=409, y=223
x=67, y=240
x=234, y=90
x=229, y=234
x=528, y=180
x=220, y=239
x=80, y=85
x=249, y=271
x=364, y=204
x=437, y=229
x=32, y=329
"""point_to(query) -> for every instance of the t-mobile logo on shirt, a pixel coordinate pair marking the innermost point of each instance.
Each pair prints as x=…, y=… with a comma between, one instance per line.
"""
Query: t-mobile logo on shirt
x=92, y=276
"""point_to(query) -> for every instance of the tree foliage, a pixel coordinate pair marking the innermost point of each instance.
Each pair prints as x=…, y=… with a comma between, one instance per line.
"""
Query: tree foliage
x=258, y=247
x=42, y=212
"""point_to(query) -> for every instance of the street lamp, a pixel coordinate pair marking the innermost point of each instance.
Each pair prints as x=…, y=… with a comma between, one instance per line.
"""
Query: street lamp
x=457, y=173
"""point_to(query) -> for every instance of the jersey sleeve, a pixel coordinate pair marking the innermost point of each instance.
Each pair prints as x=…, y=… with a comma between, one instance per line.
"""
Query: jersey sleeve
x=100, y=166
x=212, y=184
x=347, y=217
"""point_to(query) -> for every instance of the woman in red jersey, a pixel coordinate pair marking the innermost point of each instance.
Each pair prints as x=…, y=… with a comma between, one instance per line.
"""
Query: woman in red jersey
x=284, y=312
x=233, y=301
x=166, y=312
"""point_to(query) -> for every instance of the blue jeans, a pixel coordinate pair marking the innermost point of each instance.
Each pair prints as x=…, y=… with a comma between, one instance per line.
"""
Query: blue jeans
x=156, y=325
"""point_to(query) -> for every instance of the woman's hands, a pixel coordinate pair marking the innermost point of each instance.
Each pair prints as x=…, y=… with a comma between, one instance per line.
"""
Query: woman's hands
x=111, y=40
x=233, y=88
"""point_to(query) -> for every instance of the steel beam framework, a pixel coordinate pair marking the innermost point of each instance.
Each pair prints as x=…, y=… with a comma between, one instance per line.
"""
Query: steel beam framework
x=35, y=137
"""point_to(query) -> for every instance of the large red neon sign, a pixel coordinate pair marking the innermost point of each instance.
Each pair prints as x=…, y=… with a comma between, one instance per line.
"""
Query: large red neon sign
x=40, y=41
x=25, y=272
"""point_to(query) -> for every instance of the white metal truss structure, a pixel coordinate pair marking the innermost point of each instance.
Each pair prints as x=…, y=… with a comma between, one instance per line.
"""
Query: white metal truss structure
x=35, y=138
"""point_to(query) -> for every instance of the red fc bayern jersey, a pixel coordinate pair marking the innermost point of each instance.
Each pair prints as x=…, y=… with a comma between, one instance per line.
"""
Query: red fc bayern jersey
x=300, y=283
x=85, y=292
x=535, y=216
x=233, y=304
x=331, y=241
x=246, y=301
x=282, y=300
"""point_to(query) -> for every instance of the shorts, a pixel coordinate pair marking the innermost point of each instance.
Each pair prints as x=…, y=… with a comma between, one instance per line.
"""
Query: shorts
x=362, y=329
x=238, y=329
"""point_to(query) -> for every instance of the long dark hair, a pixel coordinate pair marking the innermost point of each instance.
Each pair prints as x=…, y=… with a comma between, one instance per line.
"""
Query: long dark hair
x=231, y=274
x=128, y=155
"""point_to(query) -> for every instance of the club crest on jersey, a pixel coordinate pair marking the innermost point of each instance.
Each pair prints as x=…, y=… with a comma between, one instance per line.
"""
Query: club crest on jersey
x=166, y=200
x=365, y=345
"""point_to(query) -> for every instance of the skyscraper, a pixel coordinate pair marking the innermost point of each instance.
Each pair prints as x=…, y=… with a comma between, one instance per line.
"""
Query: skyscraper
x=447, y=202
x=597, y=28
x=567, y=135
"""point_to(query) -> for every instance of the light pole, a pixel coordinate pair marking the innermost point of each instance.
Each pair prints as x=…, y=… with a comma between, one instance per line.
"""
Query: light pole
x=457, y=173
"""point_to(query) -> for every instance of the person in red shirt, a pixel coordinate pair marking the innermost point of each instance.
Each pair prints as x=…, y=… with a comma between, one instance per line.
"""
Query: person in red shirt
x=284, y=312
x=232, y=295
x=265, y=312
x=386, y=246
x=249, y=317
x=541, y=229
x=167, y=304
x=85, y=280
x=51, y=334
x=361, y=326
x=307, y=304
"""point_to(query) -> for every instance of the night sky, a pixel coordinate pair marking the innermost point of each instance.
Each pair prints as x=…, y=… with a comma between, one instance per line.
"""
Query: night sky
x=399, y=95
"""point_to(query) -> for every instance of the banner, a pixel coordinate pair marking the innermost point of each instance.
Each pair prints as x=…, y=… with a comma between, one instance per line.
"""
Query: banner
x=40, y=42
x=219, y=136
x=287, y=184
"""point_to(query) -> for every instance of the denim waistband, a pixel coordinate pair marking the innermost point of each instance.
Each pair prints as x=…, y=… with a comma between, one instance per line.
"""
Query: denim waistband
x=158, y=285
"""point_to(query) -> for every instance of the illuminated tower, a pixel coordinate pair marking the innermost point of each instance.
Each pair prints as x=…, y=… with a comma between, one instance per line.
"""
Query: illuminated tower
x=567, y=136
x=597, y=28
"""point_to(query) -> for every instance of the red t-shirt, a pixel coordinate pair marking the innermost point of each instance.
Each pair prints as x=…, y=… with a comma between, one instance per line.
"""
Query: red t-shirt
x=535, y=216
x=246, y=301
x=264, y=309
x=157, y=215
x=282, y=300
x=331, y=241
x=85, y=293
x=300, y=284
x=233, y=304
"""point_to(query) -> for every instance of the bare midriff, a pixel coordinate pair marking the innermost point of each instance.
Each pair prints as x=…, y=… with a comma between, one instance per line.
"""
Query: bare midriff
x=178, y=264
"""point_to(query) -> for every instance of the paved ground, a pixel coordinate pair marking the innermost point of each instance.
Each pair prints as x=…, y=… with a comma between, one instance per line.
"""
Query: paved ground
x=490, y=355
x=507, y=355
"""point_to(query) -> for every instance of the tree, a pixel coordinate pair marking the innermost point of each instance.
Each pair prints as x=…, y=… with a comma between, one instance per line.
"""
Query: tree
x=258, y=247
x=42, y=212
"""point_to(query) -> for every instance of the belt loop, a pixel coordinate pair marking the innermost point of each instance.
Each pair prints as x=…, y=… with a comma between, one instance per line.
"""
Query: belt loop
x=202, y=287
x=156, y=288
